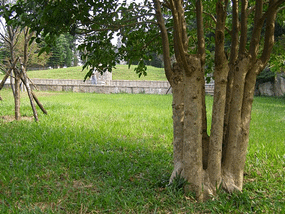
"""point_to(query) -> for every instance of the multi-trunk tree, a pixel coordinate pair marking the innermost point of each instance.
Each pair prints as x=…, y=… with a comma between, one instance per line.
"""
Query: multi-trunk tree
x=243, y=34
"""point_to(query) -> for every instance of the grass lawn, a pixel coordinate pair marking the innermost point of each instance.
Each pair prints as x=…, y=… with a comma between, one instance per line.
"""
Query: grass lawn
x=122, y=72
x=97, y=153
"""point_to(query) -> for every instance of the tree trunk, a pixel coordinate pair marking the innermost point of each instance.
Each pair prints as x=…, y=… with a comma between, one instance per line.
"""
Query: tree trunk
x=17, y=96
x=4, y=79
x=193, y=128
x=234, y=127
x=39, y=103
x=242, y=144
x=178, y=119
x=209, y=162
x=29, y=91
x=217, y=134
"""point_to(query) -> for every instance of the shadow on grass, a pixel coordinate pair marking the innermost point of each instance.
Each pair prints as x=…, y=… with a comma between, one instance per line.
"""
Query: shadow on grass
x=59, y=168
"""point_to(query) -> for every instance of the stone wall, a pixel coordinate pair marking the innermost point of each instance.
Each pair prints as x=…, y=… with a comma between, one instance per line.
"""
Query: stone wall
x=276, y=88
x=102, y=89
x=113, y=86
x=149, y=87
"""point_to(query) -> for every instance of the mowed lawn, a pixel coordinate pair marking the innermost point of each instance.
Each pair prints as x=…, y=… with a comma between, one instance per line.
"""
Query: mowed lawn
x=98, y=153
x=121, y=72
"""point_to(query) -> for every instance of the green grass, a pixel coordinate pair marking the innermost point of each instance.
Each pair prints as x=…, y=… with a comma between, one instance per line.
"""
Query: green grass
x=97, y=153
x=122, y=72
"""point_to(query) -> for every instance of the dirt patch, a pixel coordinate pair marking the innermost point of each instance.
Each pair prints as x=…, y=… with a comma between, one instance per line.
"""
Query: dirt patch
x=9, y=118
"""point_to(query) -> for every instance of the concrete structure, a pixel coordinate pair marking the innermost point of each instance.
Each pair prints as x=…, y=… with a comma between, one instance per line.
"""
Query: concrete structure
x=276, y=88
x=110, y=86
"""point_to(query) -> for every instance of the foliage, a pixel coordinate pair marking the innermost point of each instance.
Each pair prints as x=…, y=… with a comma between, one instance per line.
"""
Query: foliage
x=96, y=28
x=134, y=23
x=19, y=35
x=155, y=61
x=265, y=76
x=111, y=154
x=3, y=55
x=277, y=60
x=33, y=49
x=62, y=52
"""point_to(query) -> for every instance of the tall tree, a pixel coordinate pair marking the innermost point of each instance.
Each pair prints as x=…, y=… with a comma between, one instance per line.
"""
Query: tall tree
x=62, y=52
x=175, y=27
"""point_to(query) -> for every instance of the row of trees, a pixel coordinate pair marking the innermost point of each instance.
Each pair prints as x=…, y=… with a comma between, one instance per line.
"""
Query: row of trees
x=240, y=47
x=64, y=52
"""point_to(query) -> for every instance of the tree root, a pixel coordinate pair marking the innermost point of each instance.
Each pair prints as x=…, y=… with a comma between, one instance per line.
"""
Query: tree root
x=178, y=167
x=208, y=191
x=228, y=184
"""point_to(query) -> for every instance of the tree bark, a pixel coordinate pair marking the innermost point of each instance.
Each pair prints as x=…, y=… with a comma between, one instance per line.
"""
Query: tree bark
x=192, y=146
x=39, y=103
x=177, y=85
x=29, y=91
x=17, y=96
x=220, y=75
x=208, y=162
x=202, y=55
x=4, y=79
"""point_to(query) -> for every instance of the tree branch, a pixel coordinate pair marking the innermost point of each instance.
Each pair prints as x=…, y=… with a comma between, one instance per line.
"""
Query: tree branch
x=215, y=20
x=220, y=34
x=255, y=37
x=111, y=28
x=165, y=41
x=272, y=8
x=180, y=53
x=269, y=35
x=200, y=32
x=280, y=8
x=243, y=37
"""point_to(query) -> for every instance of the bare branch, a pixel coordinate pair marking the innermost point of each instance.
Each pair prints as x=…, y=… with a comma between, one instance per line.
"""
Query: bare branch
x=215, y=20
x=165, y=45
x=12, y=67
x=243, y=37
x=272, y=8
x=269, y=36
x=5, y=39
x=280, y=8
x=112, y=28
x=255, y=37
x=200, y=32
x=211, y=15
x=220, y=34
x=180, y=51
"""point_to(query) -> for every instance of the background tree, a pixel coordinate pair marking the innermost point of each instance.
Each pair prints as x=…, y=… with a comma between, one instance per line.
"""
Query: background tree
x=9, y=37
x=63, y=52
x=179, y=28
x=17, y=40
